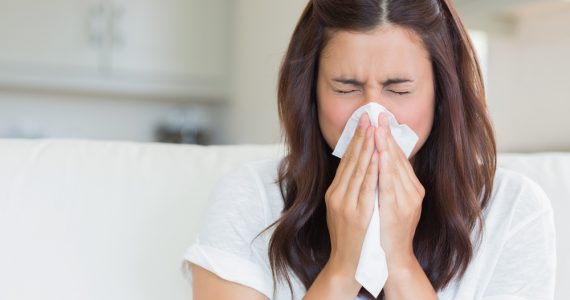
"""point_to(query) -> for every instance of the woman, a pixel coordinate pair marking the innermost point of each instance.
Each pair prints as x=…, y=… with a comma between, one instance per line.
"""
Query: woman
x=452, y=225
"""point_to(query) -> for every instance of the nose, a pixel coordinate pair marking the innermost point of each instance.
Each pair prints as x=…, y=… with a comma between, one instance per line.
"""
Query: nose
x=374, y=94
x=376, y=97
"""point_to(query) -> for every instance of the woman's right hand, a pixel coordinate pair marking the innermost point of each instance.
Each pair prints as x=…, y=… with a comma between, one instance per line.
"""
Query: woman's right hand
x=350, y=199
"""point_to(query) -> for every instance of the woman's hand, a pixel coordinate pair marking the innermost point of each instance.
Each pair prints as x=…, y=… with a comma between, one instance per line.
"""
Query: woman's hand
x=401, y=196
x=350, y=199
x=350, y=202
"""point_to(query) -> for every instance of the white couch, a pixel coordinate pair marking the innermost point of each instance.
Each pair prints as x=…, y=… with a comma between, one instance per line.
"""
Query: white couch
x=111, y=220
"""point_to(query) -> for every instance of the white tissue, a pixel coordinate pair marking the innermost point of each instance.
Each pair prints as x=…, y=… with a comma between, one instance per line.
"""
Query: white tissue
x=372, y=269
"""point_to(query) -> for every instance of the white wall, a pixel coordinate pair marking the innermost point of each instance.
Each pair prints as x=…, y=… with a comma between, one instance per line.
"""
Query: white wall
x=260, y=32
x=527, y=70
x=33, y=114
x=109, y=69
x=528, y=89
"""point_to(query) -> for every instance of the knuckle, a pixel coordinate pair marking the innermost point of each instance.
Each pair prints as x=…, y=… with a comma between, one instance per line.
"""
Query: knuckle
x=412, y=207
x=332, y=206
x=351, y=159
x=330, y=197
x=360, y=171
x=422, y=191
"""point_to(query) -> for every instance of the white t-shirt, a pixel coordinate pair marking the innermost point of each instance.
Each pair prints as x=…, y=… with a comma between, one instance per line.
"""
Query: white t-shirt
x=516, y=258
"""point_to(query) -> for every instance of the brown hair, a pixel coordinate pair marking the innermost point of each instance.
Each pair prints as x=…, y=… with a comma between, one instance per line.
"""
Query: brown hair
x=456, y=165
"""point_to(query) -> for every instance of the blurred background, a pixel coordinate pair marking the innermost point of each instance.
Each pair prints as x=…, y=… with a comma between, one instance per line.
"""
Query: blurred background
x=205, y=71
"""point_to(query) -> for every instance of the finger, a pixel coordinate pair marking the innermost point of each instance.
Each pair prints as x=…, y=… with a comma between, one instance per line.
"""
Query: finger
x=405, y=193
x=401, y=186
x=380, y=144
x=387, y=196
x=359, y=131
x=392, y=144
x=366, y=199
x=387, y=144
x=361, y=168
x=397, y=181
x=401, y=162
x=350, y=158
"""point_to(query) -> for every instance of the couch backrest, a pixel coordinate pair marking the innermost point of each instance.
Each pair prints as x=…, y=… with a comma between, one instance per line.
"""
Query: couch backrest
x=111, y=220
x=104, y=220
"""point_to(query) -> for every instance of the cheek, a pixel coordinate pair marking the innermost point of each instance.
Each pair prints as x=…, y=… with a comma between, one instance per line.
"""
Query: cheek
x=333, y=116
x=420, y=119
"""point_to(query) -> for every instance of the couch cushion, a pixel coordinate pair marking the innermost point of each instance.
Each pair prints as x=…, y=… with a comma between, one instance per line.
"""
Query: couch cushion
x=104, y=220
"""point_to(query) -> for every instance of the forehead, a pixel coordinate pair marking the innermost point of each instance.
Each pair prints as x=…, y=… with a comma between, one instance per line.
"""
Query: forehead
x=387, y=48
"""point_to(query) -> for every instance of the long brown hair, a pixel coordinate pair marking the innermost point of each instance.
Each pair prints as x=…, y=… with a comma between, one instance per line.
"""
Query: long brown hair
x=456, y=165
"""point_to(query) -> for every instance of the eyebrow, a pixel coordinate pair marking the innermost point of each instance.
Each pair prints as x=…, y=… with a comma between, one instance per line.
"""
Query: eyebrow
x=355, y=82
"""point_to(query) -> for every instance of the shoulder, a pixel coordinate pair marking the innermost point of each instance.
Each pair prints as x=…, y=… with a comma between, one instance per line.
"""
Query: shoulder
x=229, y=242
x=517, y=190
x=516, y=200
x=237, y=212
x=519, y=240
x=252, y=177
x=265, y=174
x=253, y=172
x=247, y=189
x=265, y=170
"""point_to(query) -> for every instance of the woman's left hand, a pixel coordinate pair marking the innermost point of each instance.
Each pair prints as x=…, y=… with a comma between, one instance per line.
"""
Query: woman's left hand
x=401, y=197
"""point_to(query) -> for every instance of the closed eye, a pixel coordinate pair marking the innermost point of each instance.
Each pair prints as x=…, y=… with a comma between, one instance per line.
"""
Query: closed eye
x=345, y=92
x=399, y=93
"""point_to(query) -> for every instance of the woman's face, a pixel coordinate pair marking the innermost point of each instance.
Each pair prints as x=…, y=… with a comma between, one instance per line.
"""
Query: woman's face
x=389, y=66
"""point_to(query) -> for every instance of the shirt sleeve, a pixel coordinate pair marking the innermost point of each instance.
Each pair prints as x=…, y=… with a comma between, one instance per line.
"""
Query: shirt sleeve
x=526, y=268
x=224, y=245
